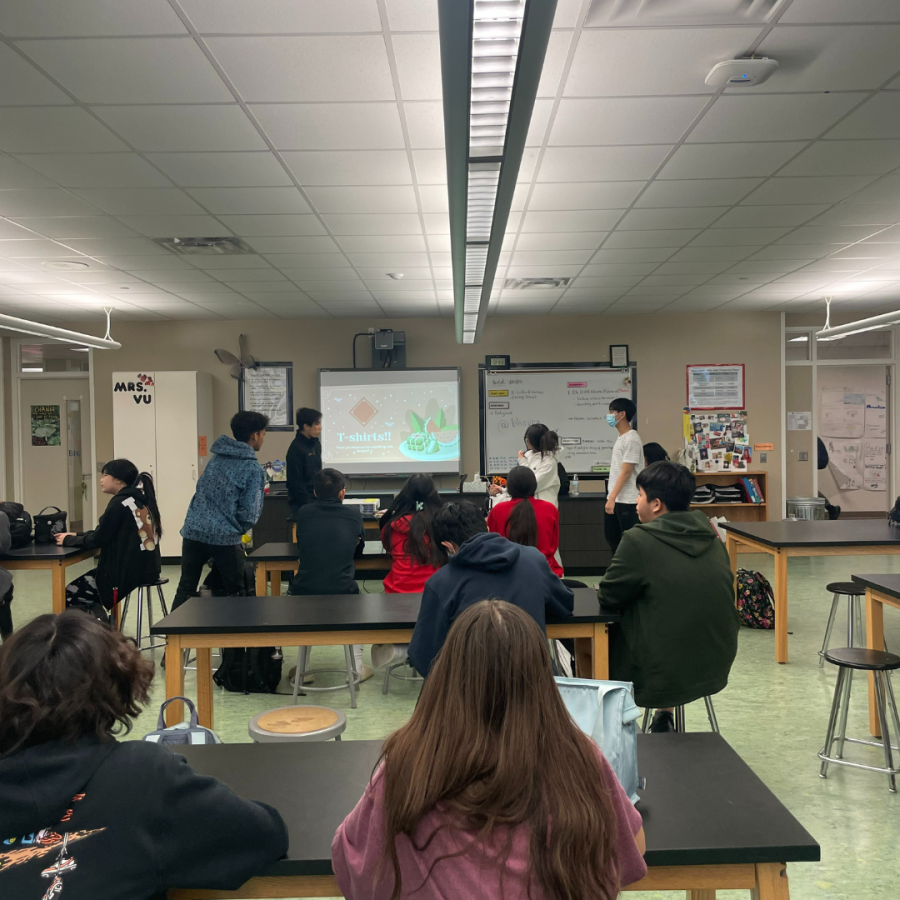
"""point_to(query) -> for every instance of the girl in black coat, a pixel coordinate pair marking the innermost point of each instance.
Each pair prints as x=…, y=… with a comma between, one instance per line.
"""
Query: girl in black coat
x=127, y=536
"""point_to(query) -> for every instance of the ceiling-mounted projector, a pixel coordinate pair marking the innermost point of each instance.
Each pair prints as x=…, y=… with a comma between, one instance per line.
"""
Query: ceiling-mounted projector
x=746, y=72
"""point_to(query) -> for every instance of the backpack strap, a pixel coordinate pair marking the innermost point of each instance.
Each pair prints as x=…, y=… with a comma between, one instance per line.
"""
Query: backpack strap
x=161, y=722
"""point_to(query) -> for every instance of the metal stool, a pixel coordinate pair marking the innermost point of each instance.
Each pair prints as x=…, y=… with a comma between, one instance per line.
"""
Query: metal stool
x=297, y=723
x=140, y=612
x=854, y=594
x=879, y=664
x=389, y=674
x=679, y=717
x=303, y=655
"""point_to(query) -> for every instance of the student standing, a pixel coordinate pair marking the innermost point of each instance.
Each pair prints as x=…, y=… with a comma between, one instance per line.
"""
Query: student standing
x=226, y=505
x=627, y=462
x=490, y=789
x=526, y=520
x=127, y=536
x=304, y=458
x=329, y=535
x=406, y=533
x=99, y=818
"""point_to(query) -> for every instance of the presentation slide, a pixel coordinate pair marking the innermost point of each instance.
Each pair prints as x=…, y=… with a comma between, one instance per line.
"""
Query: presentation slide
x=390, y=421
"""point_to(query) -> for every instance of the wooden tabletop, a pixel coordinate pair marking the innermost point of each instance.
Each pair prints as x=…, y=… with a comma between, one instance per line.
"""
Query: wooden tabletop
x=703, y=805
x=44, y=551
x=324, y=612
x=802, y=533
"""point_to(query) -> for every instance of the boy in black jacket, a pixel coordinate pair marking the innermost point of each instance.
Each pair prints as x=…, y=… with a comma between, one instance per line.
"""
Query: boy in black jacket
x=481, y=566
x=99, y=818
x=304, y=459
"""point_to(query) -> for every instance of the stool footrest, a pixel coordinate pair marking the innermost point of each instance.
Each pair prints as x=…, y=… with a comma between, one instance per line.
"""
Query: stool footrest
x=857, y=765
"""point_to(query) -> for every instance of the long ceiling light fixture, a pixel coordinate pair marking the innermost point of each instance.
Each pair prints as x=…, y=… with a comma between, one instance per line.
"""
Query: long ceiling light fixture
x=492, y=54
x=836, y=332
x=25, y=326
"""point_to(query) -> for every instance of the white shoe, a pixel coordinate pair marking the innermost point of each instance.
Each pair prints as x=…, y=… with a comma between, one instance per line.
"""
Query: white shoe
x=365, y=673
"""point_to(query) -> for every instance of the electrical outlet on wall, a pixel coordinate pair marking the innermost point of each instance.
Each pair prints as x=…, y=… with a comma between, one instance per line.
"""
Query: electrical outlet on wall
x=803, y=456
x=763, y=457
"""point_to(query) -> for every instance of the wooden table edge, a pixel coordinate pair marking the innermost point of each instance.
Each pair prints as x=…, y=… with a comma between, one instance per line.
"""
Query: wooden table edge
x=768, y=880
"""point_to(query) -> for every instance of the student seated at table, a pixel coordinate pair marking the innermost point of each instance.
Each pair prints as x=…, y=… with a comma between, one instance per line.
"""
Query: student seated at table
x=6, y=582
x=329, y=536
x=406, y=533
x=225, y=506
x=672, y=582
x=481, y=566
x=101, y=818
x=490, y=789
x=127, y=536
x=526, y=520
x=654, y=452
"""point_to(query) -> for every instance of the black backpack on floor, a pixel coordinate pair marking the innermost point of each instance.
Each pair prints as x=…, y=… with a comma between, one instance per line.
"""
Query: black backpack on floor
x=248, y=670
x=20, y=524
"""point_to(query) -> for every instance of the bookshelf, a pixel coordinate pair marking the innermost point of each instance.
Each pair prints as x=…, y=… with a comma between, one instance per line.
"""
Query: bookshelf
x=735, y=512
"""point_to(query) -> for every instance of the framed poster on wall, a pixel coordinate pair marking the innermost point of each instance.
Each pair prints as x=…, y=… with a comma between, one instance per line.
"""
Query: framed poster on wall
x=716, y=386
x=269, y=388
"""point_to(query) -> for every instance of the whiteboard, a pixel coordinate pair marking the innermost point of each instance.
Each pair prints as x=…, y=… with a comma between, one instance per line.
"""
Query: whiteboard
x=573, y=402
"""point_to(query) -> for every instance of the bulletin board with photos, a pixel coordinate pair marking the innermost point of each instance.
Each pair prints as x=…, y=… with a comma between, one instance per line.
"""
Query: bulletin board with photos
x=717, y=441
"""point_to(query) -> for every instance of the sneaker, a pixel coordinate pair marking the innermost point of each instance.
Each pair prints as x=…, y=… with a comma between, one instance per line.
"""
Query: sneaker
x=277, y=654
x=366, y=673
x=308, y=679
x=663, y=722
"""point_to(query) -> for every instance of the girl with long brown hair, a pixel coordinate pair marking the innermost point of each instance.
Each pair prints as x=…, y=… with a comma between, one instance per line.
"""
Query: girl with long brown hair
x=490, y=789
x=523, y=519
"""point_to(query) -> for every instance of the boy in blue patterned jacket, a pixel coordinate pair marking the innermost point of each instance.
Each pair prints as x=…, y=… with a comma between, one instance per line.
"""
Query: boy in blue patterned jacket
x=225, y=506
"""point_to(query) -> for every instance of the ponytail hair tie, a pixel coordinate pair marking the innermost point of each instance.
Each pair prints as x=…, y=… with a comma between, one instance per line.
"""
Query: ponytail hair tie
x=419, y=506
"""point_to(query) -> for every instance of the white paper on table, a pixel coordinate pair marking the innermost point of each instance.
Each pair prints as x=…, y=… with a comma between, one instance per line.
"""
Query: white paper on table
x=845, y=462
x=875, y=465
x=843, y=414
x=876, y=416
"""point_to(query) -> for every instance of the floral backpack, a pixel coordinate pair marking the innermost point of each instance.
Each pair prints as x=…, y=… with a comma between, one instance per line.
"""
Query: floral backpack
x=755, y=601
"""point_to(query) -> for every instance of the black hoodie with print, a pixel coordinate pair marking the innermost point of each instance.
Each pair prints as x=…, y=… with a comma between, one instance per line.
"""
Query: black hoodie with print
x=124, y=821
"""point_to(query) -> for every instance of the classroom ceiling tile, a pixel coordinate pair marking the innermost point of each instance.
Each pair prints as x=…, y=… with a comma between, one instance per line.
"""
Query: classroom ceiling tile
x=379, y=269
x=398, y=289
x=831, y=58
x=637, y=120
x=376, y=243
x=850, y=213
x=77, y=226
x=607, y=163
x=306, y=69
x=252, y=200
x=346, y=167
x=645, y=61
x=576, y=195
x=550, y=257
x=140, y=201
x=43, y=202
x=575, y=220
x=47, y=129
x=604, y=282
x=412, y=15
x=737, y=237
x=430, y=166
x=182, y=128
x=143, y=266
x=831, y=189
x=173, y=226
x=878, y=117
x=126, y=247
x=554, y=62
x=834, y=234
x=311, y=265
x=573, y=240
x=693, y=217
x=696, y=192
x=331, y=126
x=266, y=225
x=746, y=216
x=27, y=18
x=426, y=124
x=373, y=224
x=21, y=84
x=743, y=160
x=433, y=198
x=15, y=174
x=393, y=199
x=228, y=262
x=259, y=287
x=795, y=251
x=442, y=242
x=616, y=270
x=282, y=16
x=246, y=276
x=131, y=70
x=633, y=255
x=94, y=170
x=259, y=169
x=836, y=158
x=669, y=237
x=418, y=65
x=884, y=190
x=772, y=117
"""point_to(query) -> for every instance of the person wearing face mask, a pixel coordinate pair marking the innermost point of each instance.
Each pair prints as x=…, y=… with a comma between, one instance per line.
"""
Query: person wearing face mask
x=627, y=462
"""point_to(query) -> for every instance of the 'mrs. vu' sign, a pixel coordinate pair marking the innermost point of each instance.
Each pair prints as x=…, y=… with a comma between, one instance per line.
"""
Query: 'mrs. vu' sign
x=138, y=387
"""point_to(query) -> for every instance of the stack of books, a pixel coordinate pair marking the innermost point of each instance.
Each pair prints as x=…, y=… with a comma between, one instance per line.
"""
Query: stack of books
x=728, y=493
x=704, y=494
x=751, y=489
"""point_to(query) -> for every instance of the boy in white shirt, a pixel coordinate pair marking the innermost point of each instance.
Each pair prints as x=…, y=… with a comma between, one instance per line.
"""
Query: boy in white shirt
x=627, y=462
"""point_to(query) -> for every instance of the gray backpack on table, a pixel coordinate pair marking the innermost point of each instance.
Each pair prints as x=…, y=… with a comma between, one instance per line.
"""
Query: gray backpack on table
x=184, y=732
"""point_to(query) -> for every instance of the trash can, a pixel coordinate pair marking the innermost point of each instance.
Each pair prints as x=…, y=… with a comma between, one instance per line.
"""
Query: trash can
x=807, y=508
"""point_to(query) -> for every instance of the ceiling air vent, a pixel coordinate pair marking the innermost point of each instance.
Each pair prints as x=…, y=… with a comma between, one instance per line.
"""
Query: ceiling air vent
x=535, y=284
x=204, y=246
x=671, y=13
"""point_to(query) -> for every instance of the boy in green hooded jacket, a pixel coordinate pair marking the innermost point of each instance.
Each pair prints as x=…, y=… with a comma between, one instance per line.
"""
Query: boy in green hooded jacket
x=671, y=580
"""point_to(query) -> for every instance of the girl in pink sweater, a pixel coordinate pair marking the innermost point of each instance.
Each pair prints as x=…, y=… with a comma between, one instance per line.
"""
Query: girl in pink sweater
x=490, y=790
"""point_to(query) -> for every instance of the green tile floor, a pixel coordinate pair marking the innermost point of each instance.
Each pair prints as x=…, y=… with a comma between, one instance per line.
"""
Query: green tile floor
x=774, y=716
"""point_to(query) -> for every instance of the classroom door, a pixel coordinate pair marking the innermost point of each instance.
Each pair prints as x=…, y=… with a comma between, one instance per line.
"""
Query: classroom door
x=54, y=448
x=854, y=424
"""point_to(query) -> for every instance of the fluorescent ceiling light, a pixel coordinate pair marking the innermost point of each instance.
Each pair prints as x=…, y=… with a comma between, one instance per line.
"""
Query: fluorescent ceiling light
x=24, y=326
x=835, y=333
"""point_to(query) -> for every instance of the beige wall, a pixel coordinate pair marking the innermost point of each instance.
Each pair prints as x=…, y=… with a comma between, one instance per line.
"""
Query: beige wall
x=660, y=344
x=798, y=395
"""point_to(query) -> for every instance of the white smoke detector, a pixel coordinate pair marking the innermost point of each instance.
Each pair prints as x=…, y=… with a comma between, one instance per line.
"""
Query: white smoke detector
x=737, y=72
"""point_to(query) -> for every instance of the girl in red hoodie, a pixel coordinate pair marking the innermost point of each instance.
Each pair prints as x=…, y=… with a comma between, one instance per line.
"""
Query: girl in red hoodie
x=527, y=520
x=406, y=535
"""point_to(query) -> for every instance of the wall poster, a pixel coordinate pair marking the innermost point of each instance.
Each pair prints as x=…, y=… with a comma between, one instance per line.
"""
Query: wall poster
x=45, y=426
x=268, y=388
x=716, y=386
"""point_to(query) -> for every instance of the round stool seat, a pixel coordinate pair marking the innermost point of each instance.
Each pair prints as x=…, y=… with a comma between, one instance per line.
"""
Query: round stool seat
x=298, y=723
x=846, y=587
x=863, y=658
